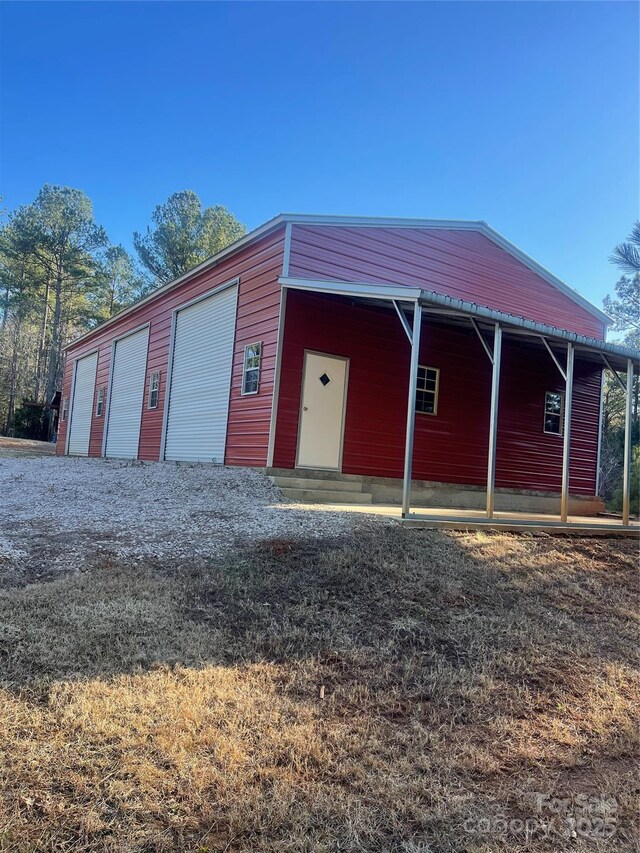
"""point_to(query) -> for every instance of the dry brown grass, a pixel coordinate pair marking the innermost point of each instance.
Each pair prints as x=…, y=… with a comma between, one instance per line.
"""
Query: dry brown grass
x=10, y=447
x=177, y=707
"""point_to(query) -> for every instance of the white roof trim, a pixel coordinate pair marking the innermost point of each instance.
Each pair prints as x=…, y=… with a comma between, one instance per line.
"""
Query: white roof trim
x=359, y=222
x=380, y=221
x=350, y=288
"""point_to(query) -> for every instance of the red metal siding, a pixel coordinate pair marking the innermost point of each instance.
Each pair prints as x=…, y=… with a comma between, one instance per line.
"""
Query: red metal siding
x=450, y=447
x=463, y=264
x=258, y=267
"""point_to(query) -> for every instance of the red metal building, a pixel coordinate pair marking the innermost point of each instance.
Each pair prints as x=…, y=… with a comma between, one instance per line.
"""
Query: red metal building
x=432, y=350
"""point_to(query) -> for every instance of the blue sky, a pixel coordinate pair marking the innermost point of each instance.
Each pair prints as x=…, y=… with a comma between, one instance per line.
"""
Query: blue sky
x=522, y=114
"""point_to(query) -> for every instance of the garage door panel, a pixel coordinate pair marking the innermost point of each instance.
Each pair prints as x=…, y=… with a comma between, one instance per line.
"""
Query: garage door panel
x=126, y=396
x=201, y=379
x=82, y=405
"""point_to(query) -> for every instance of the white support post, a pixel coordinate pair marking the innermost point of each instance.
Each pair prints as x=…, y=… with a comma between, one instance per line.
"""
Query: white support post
x=411, y=409
x=626, y=482
x=493, y=419
x=566, y=447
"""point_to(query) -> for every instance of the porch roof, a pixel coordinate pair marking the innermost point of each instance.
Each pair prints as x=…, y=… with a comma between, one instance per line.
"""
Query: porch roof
x=437, y=303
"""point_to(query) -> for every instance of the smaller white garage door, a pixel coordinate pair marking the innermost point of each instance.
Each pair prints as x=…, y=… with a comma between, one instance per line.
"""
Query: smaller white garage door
x=126, y=397
x=82, y=405
x=201, y=379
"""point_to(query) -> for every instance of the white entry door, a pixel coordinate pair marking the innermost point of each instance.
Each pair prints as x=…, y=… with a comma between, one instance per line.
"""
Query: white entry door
x=324, y=388
x=82, y=405
x=201, y=379
x=126, y=397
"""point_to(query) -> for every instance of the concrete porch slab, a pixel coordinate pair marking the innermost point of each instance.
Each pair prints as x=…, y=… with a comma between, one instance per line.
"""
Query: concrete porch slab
x=463, y=519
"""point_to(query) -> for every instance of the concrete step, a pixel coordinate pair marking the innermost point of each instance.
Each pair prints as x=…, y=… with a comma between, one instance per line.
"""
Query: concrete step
x=314, y=474
x=313, y=484
x=325, y=496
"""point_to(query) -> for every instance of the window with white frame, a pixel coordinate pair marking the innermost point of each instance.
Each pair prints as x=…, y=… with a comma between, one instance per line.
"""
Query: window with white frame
x=553, y=412
x=154, y=389
x=63, y=410
x=427, y=390
x=251, y=370
x=100, y=402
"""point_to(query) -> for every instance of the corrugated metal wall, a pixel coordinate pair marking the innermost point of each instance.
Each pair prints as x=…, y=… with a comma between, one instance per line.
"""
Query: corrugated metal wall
x=258, y=267
x=465, y=264
x=450, y=447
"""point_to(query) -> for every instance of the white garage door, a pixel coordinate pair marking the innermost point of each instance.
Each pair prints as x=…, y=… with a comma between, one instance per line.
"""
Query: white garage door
x=126, y=398
x=82, y=405
x=201, y=379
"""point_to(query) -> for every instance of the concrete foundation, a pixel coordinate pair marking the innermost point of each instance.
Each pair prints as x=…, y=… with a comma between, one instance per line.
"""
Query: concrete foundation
x=317, y=486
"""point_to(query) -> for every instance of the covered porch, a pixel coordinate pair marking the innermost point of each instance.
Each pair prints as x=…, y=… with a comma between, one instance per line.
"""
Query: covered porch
x=416, y=312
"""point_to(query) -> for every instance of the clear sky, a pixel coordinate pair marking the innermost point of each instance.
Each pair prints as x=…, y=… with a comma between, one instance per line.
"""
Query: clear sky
x=522, y=114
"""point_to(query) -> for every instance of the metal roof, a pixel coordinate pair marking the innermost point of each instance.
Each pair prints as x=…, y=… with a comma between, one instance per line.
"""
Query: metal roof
x=541, y=329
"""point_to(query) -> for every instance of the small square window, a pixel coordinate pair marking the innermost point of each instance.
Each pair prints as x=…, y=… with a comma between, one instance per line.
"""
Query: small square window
x=553, y=412
x=100, y=402
x=251, y=368
x=427, y=390
x=325, y=379
x=154, y=389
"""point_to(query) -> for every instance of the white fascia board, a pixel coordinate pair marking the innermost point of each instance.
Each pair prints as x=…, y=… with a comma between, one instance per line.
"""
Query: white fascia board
x=348, y=288
x=381, y=221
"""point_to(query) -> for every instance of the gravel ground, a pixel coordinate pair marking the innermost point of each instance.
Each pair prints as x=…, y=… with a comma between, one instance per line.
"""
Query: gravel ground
x=59, y=513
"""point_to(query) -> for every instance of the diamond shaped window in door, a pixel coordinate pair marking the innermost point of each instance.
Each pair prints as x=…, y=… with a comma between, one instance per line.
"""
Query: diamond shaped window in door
x=325, y=379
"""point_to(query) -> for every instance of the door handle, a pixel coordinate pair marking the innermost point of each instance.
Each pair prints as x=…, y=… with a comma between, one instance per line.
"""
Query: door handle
x=305, y=409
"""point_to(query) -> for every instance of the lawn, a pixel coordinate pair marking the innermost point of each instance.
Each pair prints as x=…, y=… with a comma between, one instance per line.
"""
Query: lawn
x=402, y=690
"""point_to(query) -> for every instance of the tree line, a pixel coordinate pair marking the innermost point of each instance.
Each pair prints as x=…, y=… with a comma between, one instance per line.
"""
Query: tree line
x=60, y=276
x=624, y=309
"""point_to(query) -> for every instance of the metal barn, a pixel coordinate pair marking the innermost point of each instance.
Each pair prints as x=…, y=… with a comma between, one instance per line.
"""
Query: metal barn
x=429, y=363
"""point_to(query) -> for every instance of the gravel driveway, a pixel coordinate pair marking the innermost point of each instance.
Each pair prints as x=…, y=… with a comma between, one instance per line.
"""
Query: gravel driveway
x=59, y=513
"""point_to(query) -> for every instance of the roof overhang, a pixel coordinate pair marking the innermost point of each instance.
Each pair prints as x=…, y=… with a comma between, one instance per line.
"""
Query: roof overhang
x=365, y=290
x=616, y=354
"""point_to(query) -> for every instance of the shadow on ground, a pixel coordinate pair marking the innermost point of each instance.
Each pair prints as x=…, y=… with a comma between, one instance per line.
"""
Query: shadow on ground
x=368, y=693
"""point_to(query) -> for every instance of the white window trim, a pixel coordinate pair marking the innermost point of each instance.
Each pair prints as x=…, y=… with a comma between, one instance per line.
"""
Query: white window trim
x=100, y=400
x=545, y=413
x=152, y=389
x=244, y=393
x=64, y=410
x=436, y=393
